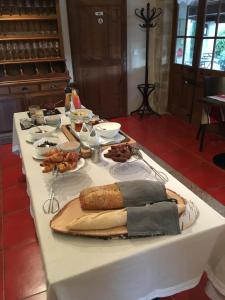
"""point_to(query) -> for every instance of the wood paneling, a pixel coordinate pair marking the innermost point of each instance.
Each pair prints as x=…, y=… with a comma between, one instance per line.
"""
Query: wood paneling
x=98, y=45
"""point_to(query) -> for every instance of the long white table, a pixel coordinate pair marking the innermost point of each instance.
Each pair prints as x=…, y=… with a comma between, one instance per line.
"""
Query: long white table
x=133, y=269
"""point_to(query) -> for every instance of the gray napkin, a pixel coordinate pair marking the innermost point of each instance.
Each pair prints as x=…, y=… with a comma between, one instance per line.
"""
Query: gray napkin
x=142, y=192
x=156, y=219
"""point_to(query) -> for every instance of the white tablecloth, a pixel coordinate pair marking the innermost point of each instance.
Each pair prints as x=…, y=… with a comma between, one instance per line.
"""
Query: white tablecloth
x=134, y=269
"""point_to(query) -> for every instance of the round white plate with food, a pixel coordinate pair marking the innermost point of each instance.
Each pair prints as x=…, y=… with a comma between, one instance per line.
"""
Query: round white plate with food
x=80, y=164
x=118, y=159
x=37, y=156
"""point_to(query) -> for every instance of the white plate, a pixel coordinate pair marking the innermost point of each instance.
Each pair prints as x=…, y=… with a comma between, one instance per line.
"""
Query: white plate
x=46, y=131
x=37, y=156
x=80, y=164
x=109, y=160
x=30, y=140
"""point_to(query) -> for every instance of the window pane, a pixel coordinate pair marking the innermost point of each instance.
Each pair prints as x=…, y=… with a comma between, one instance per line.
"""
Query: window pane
x=192, y=18
x=189, y=50
x=181, y=19
x=221, y=24
x=206, y=54
x=211, y=15
x=219, y=57
x=179, y=51
x=188, y=13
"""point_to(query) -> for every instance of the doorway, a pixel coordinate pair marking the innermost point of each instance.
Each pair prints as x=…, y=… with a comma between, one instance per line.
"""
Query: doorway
x=198, y=49
x=98, y=47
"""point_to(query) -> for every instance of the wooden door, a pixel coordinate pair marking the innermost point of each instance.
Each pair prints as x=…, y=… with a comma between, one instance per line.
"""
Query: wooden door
x=198, y=51
x=184, y=60
x=98, y=46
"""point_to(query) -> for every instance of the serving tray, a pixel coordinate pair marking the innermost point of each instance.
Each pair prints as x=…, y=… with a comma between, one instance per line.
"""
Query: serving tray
x=71, y=136
x=73, y=210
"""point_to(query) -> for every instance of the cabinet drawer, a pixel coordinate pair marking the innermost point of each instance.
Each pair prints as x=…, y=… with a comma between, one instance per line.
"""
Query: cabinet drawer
x=4, y=90
x=24, y=89
x=60, y=85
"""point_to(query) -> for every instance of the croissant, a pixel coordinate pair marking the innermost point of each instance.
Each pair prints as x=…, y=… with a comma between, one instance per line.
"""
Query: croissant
x=48, y=167
x=71, y=156
x=56, y=158
x=51, y=152
x=66, y=166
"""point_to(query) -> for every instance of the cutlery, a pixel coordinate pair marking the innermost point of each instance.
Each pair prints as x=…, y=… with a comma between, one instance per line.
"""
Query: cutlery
x=158, y=175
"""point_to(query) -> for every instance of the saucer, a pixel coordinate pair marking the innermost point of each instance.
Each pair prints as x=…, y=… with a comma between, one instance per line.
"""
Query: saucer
x=38, y=157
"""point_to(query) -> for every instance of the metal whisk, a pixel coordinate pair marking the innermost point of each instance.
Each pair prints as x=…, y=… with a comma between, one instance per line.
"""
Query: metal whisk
x=160, y=176
x=51, y=205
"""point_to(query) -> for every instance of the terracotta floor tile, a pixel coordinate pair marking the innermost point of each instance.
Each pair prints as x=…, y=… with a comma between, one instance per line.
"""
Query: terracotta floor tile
x=205, y=175
x=12, y=176
x=24, y=275
x=182, y=296
x=10, y=159
x=1, y=234
x=18, y=228
x=1, y=277
x=15, y=198
x=159, y=146
x=5, y=149
x=180, y=159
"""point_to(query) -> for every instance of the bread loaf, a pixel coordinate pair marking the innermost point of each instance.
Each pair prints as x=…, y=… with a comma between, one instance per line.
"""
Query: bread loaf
x=101, y=197
x=101, y=220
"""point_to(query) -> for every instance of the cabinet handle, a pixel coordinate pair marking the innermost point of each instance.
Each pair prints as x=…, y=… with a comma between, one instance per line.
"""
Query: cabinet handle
x=53, y=86
x=24, y=88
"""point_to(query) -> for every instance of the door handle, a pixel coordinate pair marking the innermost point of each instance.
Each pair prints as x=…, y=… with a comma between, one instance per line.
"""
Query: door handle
x=189, y=82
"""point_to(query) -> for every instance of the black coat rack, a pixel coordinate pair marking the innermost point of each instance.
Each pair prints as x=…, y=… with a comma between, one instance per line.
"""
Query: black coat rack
x=146, y=88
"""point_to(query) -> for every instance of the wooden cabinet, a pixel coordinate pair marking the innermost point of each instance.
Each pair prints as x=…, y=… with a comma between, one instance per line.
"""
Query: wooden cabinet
x=32, y=64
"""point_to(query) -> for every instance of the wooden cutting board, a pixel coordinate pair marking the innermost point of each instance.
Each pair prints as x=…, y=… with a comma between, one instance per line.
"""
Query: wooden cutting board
x=73, y=210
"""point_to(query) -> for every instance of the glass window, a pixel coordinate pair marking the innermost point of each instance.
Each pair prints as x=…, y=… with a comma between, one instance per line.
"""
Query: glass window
x=189, y=51
x=179, y=51
x=206, y=53
x=186, y=31
x=182, y=19
x=213, y=45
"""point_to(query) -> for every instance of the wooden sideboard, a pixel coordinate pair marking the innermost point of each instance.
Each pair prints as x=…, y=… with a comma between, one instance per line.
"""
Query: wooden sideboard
x=32, y=63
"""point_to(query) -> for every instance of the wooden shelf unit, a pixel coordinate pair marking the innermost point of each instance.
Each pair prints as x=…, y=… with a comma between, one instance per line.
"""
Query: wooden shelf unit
x=32, y=63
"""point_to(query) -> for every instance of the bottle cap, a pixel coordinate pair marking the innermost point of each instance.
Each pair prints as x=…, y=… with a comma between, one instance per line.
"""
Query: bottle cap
x=68, y=90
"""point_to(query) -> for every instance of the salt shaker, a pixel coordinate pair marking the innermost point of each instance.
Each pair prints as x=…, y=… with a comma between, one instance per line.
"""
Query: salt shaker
x=95, y=155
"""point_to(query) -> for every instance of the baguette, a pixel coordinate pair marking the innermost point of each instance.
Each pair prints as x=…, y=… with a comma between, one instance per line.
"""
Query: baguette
x=101, y=220
x=101, y=197
x=109, y=197
x=104, y=220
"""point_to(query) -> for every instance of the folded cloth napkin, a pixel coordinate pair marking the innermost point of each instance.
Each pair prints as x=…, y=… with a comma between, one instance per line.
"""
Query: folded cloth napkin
x=142, y=192
x=26, y=124
x=157, y=219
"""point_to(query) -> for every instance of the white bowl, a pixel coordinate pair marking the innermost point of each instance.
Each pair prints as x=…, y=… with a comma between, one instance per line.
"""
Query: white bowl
x=43, y=150
x=70, y=146
x=38, y=132
x=107, y=129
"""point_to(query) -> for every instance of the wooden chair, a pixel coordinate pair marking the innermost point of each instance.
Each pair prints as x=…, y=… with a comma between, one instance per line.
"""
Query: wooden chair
x=213, y=112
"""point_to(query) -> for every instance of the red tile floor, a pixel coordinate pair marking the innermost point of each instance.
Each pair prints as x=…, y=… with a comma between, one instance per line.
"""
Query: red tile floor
x=173, y=140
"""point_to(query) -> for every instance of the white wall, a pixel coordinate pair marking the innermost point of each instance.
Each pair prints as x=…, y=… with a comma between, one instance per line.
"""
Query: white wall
x=135, y=54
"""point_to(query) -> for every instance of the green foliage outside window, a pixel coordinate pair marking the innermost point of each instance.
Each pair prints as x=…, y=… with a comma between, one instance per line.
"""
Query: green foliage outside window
x=220, y=51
